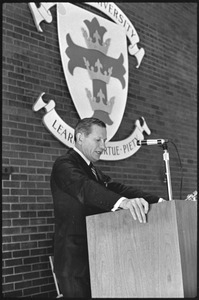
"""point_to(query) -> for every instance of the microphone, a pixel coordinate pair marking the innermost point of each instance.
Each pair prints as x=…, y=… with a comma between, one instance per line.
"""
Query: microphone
x=151, y=142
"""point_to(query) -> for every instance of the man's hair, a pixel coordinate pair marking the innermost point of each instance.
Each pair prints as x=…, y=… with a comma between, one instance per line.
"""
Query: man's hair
x=85, y=126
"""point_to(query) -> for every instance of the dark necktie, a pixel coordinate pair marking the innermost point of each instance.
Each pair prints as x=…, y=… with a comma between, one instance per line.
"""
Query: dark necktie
x=94, y=171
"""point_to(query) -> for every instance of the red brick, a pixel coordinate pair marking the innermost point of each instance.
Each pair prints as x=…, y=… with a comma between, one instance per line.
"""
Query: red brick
x=19, y=177
x=23, y=284
x=21, y=253
x=29, y=229
x=37, y=237
x=32, y=291
x=12, y=294
x=10, y=199
x=18, y=192
x=31, y=275
x=28, y=245
x=7, y=255
x=13, y=278
x=7, y=271
x=20, y=238
x=13, y=262
x=8, y=287
x=40, y=266
x=19, y=206
x=10, y=215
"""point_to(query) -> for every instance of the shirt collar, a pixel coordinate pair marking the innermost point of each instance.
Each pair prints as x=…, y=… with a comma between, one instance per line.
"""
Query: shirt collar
x=82, y=155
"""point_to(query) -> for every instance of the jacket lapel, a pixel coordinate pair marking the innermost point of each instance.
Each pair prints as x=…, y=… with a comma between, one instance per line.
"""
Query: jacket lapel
x=82, y=162
x=87, y=168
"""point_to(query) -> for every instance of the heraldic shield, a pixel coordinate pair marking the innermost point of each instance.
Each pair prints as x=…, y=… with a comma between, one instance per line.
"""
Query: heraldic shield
x=95, y=63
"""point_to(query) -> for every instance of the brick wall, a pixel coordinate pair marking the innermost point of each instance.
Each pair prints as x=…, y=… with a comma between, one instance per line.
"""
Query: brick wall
x=163, y=90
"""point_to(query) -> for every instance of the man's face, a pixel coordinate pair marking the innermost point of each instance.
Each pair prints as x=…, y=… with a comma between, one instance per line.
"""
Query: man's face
x=93, y=144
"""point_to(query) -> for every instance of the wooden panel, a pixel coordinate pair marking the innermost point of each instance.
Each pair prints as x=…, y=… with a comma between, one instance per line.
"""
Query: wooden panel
x=129, y=259
x=187, y=229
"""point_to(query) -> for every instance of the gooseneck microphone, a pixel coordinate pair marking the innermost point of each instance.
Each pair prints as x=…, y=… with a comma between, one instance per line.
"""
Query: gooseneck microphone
x=151, y=142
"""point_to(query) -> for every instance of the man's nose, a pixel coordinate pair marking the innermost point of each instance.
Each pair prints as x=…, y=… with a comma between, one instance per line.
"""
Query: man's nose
x=103, y=145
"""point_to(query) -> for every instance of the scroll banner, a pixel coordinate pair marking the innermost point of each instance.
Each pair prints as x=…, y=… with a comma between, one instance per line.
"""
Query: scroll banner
x=116, y=150
x=110, y=9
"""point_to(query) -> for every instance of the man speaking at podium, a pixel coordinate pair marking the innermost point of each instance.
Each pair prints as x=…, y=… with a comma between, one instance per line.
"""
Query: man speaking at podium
x=79, y=189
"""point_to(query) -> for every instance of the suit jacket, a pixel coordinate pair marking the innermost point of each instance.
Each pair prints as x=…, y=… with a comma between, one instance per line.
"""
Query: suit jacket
x=77, y=194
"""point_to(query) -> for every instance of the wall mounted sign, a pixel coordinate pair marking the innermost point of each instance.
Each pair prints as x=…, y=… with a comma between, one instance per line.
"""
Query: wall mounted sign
x=95, y=63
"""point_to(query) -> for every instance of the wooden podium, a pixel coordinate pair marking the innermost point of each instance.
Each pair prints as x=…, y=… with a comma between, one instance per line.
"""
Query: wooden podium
x=157, y=259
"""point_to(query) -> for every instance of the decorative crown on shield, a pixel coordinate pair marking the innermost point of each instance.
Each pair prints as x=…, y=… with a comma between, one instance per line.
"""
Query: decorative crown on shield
x=95, y=40
x=100, y=68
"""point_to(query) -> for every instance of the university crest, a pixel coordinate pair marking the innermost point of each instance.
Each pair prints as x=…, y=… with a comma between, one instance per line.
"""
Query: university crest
x=95, y=64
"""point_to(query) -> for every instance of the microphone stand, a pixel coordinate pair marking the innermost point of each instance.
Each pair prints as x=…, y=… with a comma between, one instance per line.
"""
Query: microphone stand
x=167, y=170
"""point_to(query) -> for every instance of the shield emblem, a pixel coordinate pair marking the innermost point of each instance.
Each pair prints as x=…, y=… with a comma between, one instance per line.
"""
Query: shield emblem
x=95, y=63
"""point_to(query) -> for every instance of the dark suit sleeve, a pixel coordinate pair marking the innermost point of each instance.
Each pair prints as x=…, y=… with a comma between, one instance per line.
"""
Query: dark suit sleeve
x=128, y=191
x=72, y=179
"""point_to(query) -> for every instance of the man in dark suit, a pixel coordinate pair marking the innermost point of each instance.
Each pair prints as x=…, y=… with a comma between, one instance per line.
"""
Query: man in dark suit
x=78, y=190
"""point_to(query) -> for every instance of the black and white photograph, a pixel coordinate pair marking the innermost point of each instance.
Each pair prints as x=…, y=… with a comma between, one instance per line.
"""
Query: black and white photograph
x=99, y=150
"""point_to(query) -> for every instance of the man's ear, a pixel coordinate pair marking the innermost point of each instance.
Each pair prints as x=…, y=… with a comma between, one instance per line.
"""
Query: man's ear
x=80, y=137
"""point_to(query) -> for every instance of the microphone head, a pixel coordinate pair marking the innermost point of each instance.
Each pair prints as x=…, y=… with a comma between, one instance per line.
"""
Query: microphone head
x=151, y=142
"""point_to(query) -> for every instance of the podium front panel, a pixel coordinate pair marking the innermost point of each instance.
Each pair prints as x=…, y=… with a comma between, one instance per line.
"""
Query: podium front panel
x=130, y=259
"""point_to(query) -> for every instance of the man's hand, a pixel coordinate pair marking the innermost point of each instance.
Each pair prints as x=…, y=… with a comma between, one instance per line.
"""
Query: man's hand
x=138, y=208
